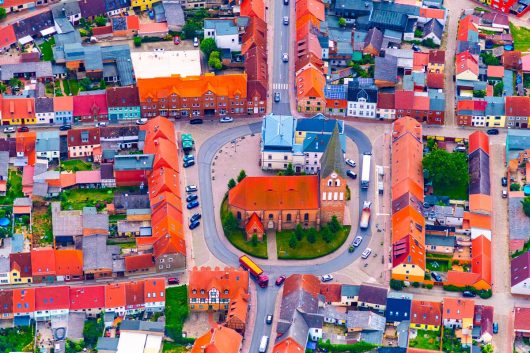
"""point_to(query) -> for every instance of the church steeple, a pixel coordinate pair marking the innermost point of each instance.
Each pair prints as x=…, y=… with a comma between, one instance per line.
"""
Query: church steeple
x=332, y=160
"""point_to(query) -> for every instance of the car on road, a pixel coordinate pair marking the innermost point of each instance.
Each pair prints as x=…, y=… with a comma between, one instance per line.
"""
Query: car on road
x=277, y=97
x=141, y=121
x=9, y=129
x=195, y=42
x=226, y=119
x=188, y=157
x=286, y=20
x=280, y=280
x=326, y=278
x=351, y=248
x=351, y=174
x=65, y=127
x=493, y=131
x=268, y=320
x=194, y=225
x=415, y=47
x=192, y=205
x=176, y=40
x=366, y=253
x=504, y=194
x=101, y=124
x=195, y=217
x=468, y=294
x=357, y=241
x=196, y=121
x=191, y=197
x=173, y=280
x=286, y=2
x=495, y=327
x=191, y=188
x=504, y=181
x=188, y=163
x=350, y=162
x=285, y=57
x=23, y=129
x=436, y=276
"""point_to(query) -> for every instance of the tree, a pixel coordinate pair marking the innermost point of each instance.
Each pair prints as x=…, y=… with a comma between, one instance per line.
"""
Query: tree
x=334, y=225
x=208, y=46
x=3, y=88
x=429, y=43
x=526, y=205
x=231, y=183
x=92, y=331
x=102, y=84
x=396, y=285
x=293, y=242
x=446, y=170
x=489, y=59
x=479, y=93
x=214, y=61
x=85, y=84
x=342, y=22
x=290, y=170
x=488, y=348
x=327, y=236
x=242, y=175
x=100, y=21
x=3, y=13
x=312, y=235
x=254, y=240
x=137, y=41
x=498, y=89
x=15, y=82
x=230, y=223
x=299, y=232
x=515, y=187
x=189, y=30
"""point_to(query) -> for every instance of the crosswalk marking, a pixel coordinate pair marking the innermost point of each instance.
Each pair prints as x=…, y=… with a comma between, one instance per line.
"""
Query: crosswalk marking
x=280, y=86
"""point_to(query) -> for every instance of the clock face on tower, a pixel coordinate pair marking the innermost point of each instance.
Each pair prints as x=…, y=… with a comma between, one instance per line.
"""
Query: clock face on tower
x=333, y=175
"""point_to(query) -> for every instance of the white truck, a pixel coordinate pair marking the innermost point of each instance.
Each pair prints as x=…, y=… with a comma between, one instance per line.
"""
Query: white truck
x=380, y=179
x=365, y=177
x=263, y=344
x=365, y=215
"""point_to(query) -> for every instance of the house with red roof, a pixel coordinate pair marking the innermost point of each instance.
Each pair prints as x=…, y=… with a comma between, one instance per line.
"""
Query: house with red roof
x=6, y=304
x=43, y=265
x=458, y=314
x=517, y=110
x=254, y=227
x=386, y=108
x=51, y=302
x=25, y=145
x=20, y=265
x=219, y=339
x=115, y=298
x=139, y=263
x=91, y=107
x=18, y=111
x=69, y=265
x=87, y=299
x=24, y=302
x=466, y=66
x=134, y=297
x=521, y=322
x=81, y=142
x=7, y=37
x=155, y=294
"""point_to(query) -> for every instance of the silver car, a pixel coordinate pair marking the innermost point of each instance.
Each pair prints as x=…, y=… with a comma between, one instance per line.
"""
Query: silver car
x=357, y=241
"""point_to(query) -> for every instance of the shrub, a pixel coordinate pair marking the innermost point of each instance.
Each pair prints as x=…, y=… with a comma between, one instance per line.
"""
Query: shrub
x=299, y=232
x=327, y=235
x=428, y=286
x=334, y=225
x=137, y=41
x=312, y=235
x=242, y=175
x=416, y=284
x=254, y=240
x=231, y=183
x=515, y=187
x=396, y=284
x=485, y=294
x=293, y=242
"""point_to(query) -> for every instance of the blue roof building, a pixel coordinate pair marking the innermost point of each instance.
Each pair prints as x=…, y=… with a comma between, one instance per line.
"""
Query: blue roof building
x=398, y=309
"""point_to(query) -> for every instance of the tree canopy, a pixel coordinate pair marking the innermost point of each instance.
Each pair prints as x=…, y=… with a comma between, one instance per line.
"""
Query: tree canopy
x=446, y=170
x=526, y=205
x=208, y=46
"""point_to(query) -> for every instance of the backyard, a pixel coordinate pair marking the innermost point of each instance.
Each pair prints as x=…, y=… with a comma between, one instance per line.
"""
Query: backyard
x=42, y=224
x=75, y=165
x=304, y=249
x=451, y=343
x=176, y=312
x=438, y=265
x=18, y=339
x=14, y=188
x=426, y=339
x=521, y=37
x=77, y=199
x=70, y=87
x=46, y=49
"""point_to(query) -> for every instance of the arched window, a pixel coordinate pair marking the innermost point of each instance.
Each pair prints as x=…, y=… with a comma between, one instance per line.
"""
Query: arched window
x=288, y=217
x=238, y=215
x=306, y=217
x=330, y=182
x=337, y=182
x=271, y=216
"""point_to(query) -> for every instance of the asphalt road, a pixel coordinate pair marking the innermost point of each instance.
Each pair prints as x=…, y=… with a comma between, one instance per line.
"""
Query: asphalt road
x=280, y=71
x=267, y=296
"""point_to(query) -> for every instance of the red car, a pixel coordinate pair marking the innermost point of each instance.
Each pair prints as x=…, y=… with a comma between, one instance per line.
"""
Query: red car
x=280, y=280
x=176, y=40
x=23, y=129
x=173, y=280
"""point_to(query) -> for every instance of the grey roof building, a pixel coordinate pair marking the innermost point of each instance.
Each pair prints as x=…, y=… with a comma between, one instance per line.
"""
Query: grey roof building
x=332, y=161
x=133, y=162
x=130, y=201
x=47, y=141
x=39, y=70
x=372, y=294
x=174, y=14
x=433, y=29
x=66, y=9
x=356, y=93
x=115, y=5
x=43, y=105
x=138, y=325
x=94, y=220
x=440, y=240
x=97, y=254
x=371, y=325
x=107, y=344
x=386, y=69
x=374, y=38
x=350, y=290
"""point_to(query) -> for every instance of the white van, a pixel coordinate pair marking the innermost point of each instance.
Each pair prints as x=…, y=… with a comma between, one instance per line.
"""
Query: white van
x=263, y=344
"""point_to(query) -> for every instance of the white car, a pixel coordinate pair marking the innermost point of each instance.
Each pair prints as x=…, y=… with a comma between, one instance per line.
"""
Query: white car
x=350, y=162
x=226, y=119
x=191, y=188
x=366, y=253
x=141, y=121
x=101, y=124
x=195, y=42
x=357, y=241
x=286, y=20
x=10, y=129
x=326, y=278
x=285, y=57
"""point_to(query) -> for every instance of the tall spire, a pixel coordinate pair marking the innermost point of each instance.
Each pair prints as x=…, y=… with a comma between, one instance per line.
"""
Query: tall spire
x=332, y=161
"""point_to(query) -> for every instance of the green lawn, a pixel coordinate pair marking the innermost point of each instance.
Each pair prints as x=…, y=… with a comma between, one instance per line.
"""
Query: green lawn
x=176, y=311
x=438, y=265
x=74, y=165
x=451, y=343
x=521, y=37
x=76, y=199
x=426, y=339
x=304, y=249
x=459, y=193
x=74, y=87
x=128, y=244
x=19, y=339
x=46, y=49
x=170, y=347
x=14, y=188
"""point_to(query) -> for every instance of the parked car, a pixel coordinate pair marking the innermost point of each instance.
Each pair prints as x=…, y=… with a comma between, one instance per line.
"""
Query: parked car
x=23, y=129
x=188, y=157
x=351, y=174
x=415, y=47
x=326, y=278
x=192, y=204
x=495, y=327
x=286, y=20
x=173, y=280
x=504, y=181
x=351, y=248
x=468, y=294
x=9, y=129
x=195, y=217
x=192, y=197
x=277, y=97
x=195, y=42
x=493, y=131
x=191, y=188
x=285, y=57
x=436, y=276
x=194, y=225
x=141, y=121
x=268, y=320
x=350, y=162
x=286, y=2
x=188, y=163
x=280, y=280
x=196, y=121
x=366, y=253
x=357, y=241
x=504, y=193
x=176, y=40
x=226, y=119
x=101, y=124
x=65, y=127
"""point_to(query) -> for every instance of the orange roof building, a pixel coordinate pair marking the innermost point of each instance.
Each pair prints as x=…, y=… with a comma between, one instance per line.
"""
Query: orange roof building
x=155, y=293
x=115, y=297
x=218, y=340
x=7, y=37
x=43, y=268
x=69, y=264
x=310, y=84
x=18, y=111
x=25, y=145
x=253, y=8
x=458, y=314
x=425, y=315
x=23, y=301
x=288, y=345
x=254, y=227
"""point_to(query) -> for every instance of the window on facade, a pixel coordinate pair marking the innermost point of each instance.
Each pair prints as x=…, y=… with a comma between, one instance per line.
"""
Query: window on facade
x=306, y=217
x=288, y=217
x=238, y=215
x=271, y=215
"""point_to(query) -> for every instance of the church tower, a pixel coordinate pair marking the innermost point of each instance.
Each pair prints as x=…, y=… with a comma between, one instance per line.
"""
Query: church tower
x=332, y=180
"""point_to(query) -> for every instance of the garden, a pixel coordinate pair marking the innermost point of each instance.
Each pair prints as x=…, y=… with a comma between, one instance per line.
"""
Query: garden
x=18, y=339
x=448, y=172
x=426, y=339
x=176, y=313
x=77, y=199
x=438, y=265
x=75, y=165
x=521, y=37
x=451, y=343
x=46, y=49
x=14, y=188
x=42, y=223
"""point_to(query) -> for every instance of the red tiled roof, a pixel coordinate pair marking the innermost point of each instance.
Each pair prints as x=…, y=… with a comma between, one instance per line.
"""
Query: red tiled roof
x=25, y=143
x=458, y=308
x=495, y=71
x=385, y=100
x=157, y=128
x=420, y=60
x=228, y=281
x=477, y=140
x=6, y=302
x=468, y=23
x=254, y=223
x=7, y=36
x=134, y=293
x=133, y=22
x=481, y=257
x=123, y=96
x=52, y=298
x=518, y=106
x=169, y=245
x=435, y=56
x=88, y=177
x=154, y=289
x=43, y=262
x=331, y=291
x=63, y=104
x=253, y=8
x=432, y=13
x=421, y=103
x=147, y=28
x=220, y=339
x=288, y=345
x=115, y=295
x=69, y=262
x=404, y=100
x=310, y=83
x=99, y=31
x=90, y=105
x=74, y=137
x=88, y=297
x=466, y=61
x=21, y=262
x=139, y=262
x=521, y=320
x=435, y=80
x=23, y=300
x=426, y=313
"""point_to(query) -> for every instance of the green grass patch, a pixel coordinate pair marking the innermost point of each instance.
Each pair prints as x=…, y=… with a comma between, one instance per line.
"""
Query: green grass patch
x=75, y=165
x=46, y=49
x=126, y=244
x=438, y=265
x=18, y=339
x=176, y=312
x=66, y=87
x=76, y=199
x=92, y=330
x=170, y=347
x=521, y=37
x=14, y=188
x=455, y=192
x=238, y=239
x=426, y=339
x=74, y=86
x=306, y=250
x=439, y=256
x=451, y=343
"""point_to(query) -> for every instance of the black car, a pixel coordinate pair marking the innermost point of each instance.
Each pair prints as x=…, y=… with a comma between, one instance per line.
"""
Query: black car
x=195, y=217
x=436, y=277
x=65, y=127
x=277, y=97
x=268, y=320
x=493, y=131
x=188, y=157
x=191, y=197
x=468, y=294
x=194, y=225
x=286, y=2
x=192, y=204
x=351, y=174
x=188, y=163
x=196, y=121
x=504, y=181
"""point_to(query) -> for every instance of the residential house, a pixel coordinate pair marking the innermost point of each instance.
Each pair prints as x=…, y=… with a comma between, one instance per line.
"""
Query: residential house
x=336, y=102
x=218, y=339
x=6, y=304
x=139, y=263
x=517, y=110
x=48, y=145
x=132, y=170
x=349, y=294
x=51, y=302
x=98, y=256
x=64, y=109
x=87, y=299
x=521, y=322
x=4, y=270
x=44, y=110
x=372, y=297
x=511, y=60
x=123, y=103
x=91, y=107
x=143, y=5
x=367, y=325
x=433, y=30
x=440, y=244
x=483, y=324
x=425, y=315
x=466, y=66
x=398, y=309
x=18, y=111
x=225, y=31
x=277, y=141
x=69, y=265
x=81, y=142
x=331, y=293
x=115, y=298
x=20, y=264
x=90, y=9
x=154, y=294
x=116, y=7
x=458, y=314
x=362, y=102
x=373, y=42
x=67, y=9
x=43, y=265
x=520, y=274
x=174, y=15
x=385, y=106
x=134, y=297
x=23, y=305
x=310, y=85
x=436, y=61
x=386, y=71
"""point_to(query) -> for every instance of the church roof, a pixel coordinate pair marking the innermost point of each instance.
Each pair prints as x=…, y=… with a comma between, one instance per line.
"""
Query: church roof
x=333, y=159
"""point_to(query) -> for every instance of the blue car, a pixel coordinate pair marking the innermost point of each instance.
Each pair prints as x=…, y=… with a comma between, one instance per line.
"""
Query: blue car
x=188, y=157
x=189, y=163
x=195, y=217
x=192, y=204
x=191, y=197
x=495, y=327
x=194, y=224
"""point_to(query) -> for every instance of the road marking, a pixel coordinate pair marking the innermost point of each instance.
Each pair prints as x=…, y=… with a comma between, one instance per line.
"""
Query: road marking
x=383, y=214
x=278, y=86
